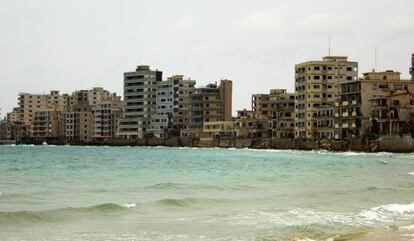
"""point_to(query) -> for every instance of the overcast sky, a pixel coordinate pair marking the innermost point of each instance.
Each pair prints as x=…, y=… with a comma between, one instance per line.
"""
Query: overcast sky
x=78, y=44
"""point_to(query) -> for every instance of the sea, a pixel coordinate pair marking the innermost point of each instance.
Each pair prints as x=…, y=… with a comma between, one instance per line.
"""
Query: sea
x=179, y=194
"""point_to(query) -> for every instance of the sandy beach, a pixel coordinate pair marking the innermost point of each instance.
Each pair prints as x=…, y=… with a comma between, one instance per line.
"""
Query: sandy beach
x=404, y=233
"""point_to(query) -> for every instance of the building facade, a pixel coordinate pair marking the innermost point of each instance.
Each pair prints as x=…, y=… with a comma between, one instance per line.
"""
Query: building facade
x=316, y=86
x=358, y=107
x=173, y=106
x=211, y=103
x=283, y=113
x=140, y=90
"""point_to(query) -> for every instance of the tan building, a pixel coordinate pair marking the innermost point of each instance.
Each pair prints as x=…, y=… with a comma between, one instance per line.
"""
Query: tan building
x=30, y=103
x=210, y=104
x=316, y=85
x=250, y=124
x=221, y=129
x=261, y=105
x=283, y=113
x=105, y=115
x=354, y=107
x=13, y=117
x=391, y=114
x=46, y=125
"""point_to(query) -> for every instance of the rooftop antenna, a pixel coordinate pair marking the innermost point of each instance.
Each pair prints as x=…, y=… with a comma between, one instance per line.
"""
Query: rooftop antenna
x=376, y=61
x=329, y=46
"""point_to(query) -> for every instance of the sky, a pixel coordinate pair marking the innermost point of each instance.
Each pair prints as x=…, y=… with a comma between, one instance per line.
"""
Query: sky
x=78, y=44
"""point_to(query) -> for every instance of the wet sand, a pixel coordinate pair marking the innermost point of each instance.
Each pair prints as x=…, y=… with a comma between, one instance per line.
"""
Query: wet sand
x=390, y=234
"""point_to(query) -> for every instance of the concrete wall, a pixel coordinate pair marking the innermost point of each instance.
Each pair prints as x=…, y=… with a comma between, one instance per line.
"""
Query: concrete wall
x=396, y=143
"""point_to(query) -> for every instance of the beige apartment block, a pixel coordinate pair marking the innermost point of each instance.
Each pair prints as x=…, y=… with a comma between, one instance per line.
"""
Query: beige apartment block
x=250, y=124
x=261, y=105
x=353, y=115
x=105, y=114
x=30, y=103
x=317, y=86
x=217, y=129
x=46, y=125
x=211, y=103
x=282, y=105
x=78, y=124
x=13, y=116
x=140, y=93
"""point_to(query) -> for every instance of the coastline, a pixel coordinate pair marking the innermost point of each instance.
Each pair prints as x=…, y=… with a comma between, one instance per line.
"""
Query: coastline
x=392, y=144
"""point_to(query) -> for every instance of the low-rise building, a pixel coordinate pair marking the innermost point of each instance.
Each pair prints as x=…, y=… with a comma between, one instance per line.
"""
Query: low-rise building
x=353, y=109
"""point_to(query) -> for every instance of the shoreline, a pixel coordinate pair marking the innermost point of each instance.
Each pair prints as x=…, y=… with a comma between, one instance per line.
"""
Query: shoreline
x=254, y=144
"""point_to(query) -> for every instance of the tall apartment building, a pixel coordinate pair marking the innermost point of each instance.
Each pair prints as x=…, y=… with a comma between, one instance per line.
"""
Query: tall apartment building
x=316, y=86
x=77, y=120
x=105, y=114
x=354, y=109
x=211, y=103
x=282, y=104
x=173, y=106
x=140, y=90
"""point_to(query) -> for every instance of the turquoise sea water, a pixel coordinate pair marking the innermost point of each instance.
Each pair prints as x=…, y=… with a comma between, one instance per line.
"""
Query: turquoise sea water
x=136, y=193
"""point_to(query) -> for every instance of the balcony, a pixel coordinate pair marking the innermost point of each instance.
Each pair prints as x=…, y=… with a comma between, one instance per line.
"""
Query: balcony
x=345, y=114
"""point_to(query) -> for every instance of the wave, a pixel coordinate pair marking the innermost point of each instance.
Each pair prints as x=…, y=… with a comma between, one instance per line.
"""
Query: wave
x=63, y=214
x=188, y=202
x=183, y=186
x=389, y=213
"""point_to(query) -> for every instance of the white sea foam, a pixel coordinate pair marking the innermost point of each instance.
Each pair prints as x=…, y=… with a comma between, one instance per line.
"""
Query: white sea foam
x=129, y=205
x=388, y=213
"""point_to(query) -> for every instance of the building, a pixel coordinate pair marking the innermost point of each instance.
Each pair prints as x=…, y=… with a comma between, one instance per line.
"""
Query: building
x=30, y=103
x=76, y=121
x=46, y=125
x=140, y=90
x=105, y=115
x=325, y=119
x=391, y=114
x=354, y=116
x=211, y=103
x=13, y=116
x=317, y=85
x=261, y=105
x=219, y=129
x=250, y=124
x=283, y=113
x=173, y=106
